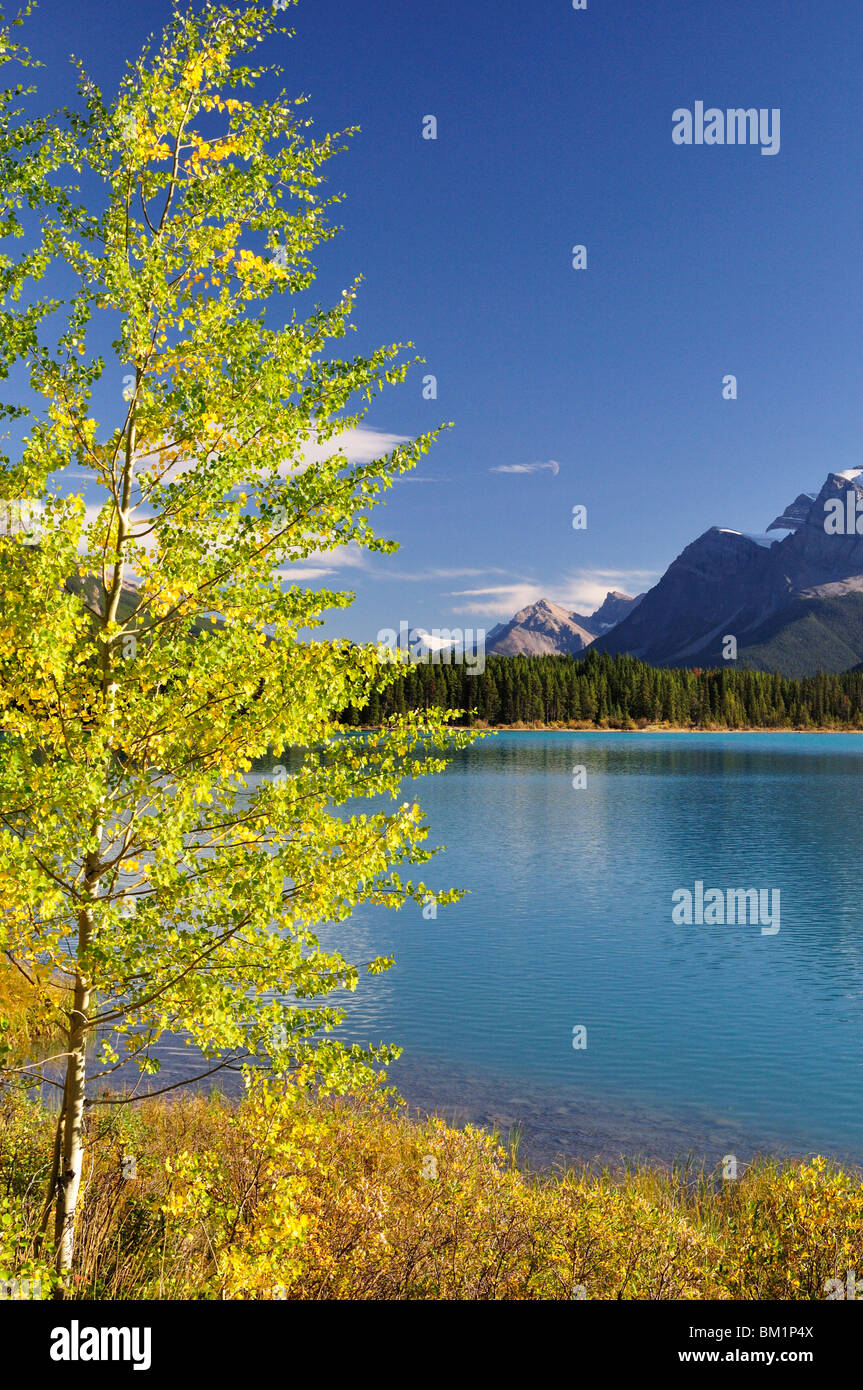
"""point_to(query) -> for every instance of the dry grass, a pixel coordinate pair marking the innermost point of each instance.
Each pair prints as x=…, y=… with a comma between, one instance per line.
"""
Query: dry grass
x=288, y=1196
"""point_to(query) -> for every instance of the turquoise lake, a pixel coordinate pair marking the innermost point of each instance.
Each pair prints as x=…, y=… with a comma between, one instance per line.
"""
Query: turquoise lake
x=700, y=1039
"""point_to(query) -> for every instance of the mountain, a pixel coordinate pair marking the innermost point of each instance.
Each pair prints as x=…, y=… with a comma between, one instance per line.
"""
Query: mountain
x=545, y=628
x=91, y=590
x=795, y=515
x=613, y=609
x=793, y=602
x=541, y=629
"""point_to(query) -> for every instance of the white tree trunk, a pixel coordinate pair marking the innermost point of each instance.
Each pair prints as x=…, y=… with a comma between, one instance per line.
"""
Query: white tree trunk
x=72, y=1154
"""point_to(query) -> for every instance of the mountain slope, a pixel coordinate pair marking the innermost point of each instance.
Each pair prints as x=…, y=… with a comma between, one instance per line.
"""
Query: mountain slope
x=613, y=609
x=794, y=604
x=809, y=635
x=546, y=628
x=541, y=629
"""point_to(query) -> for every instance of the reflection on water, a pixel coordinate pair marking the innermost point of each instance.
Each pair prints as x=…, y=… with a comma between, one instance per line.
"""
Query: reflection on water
x=704, y=1039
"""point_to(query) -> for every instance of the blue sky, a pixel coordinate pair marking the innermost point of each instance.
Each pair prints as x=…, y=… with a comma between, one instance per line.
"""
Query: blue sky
x=554, y=129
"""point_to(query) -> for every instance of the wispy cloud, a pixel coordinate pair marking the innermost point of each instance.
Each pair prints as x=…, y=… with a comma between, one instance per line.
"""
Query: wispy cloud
x=324, y=562
x=500, y=600
x=300, y=574
x=359, y=445
x=362, y=444
x=348, y=556
x=581, y=592
x=424, y=576
x=552, y=466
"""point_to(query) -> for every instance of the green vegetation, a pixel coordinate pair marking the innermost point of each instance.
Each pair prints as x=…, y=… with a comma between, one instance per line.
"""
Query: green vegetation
x=807, y=635
x=303, y=1196
x=151, y=654
x=26, y=1006
x=150, y=647
x=621, y=692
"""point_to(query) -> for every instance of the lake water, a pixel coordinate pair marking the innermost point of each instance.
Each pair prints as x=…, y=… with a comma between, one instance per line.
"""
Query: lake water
x=701, y=1039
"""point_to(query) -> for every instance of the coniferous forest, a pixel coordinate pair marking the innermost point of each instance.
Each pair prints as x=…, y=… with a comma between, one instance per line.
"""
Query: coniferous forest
x=620, y=692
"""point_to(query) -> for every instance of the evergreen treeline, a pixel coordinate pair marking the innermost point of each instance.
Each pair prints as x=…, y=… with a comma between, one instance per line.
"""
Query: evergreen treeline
x=621, y=692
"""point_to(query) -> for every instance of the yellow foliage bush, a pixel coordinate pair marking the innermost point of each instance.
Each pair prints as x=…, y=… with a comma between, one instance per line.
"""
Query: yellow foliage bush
x=297, y=1195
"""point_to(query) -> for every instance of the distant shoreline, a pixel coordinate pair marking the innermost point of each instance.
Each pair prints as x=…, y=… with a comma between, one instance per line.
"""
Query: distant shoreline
x=647, y=729
x=480, y=727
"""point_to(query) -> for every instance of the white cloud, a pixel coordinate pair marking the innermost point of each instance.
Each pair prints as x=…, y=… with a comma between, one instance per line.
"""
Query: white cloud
x=348, y=556
x=297, y=574
x=500, y=601
x=324, y=562
x=552, y=467
x=362, y=444
x=423, y=576
x=582, y=592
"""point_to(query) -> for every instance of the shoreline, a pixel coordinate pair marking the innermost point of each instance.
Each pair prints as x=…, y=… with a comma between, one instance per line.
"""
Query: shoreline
x=591, y=728
x=648, y=729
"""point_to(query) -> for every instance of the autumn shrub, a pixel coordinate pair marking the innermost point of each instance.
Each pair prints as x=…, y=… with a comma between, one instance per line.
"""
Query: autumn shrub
x=294, y=1194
